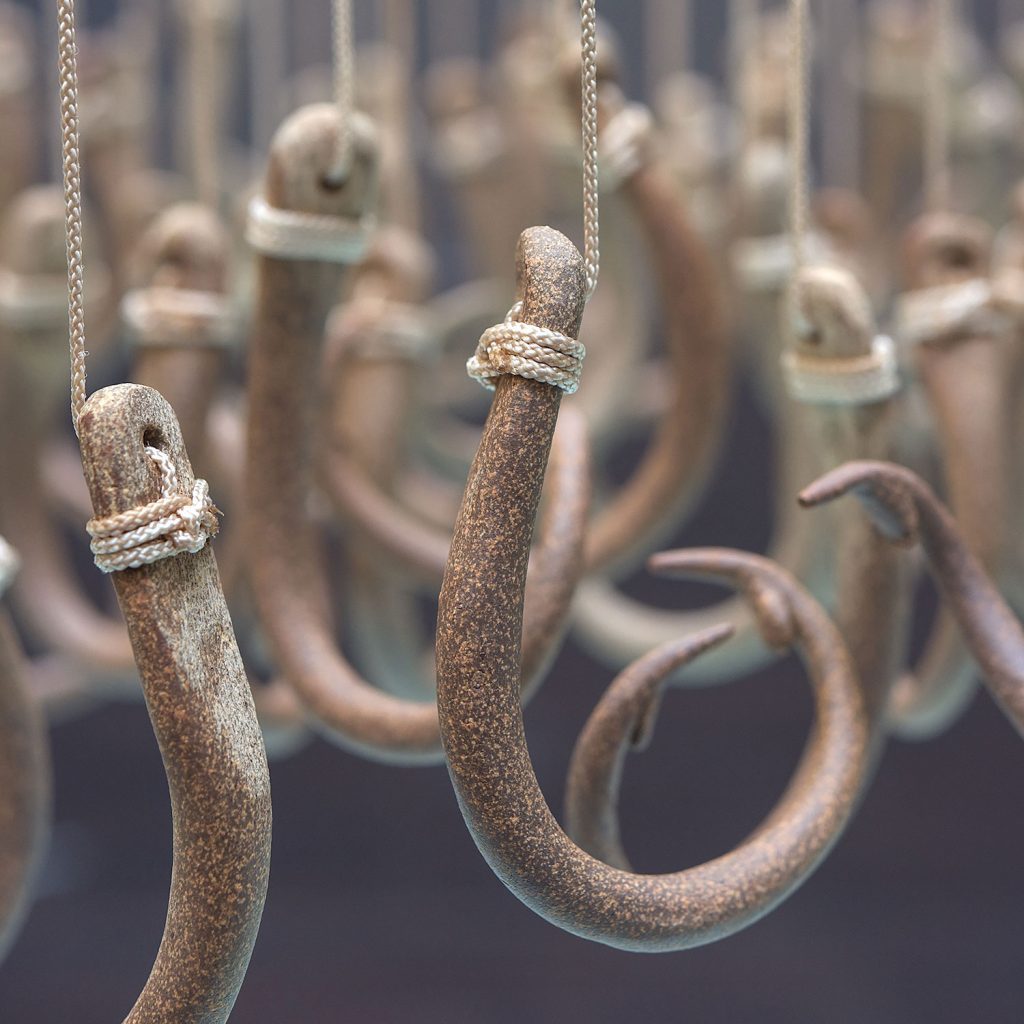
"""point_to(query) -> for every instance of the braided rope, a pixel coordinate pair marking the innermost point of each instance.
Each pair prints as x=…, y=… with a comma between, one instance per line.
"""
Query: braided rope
x=9, y=565
x=401, y=333
x=344, y=87
x=626, y=144
x=174, y=523
x=934, y=314
x=172, y=317
x=591, y=193
x=849, y=380
x=72, y=174
x=293, y=235
x=765, y=262
x=525, y=350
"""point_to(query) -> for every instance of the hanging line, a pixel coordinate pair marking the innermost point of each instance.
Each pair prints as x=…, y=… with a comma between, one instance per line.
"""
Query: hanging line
x=799, y=148
x=937, y=109
x=205, y=93
x=841, y=123
x=344, y=86
x=72, y=174
x=591, y=220
x=743, y=21
x=667, y=30
x=268, y=66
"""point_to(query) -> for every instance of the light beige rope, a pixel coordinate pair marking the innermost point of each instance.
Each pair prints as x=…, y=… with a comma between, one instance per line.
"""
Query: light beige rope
x=626, y=145
x=9, y=565
x=937, y=113
x=172, y=524
x=72, y=174
x=591, y=200
x=294, y=235
x=525, y=350
x=743, y=23
x=344, y=87
x=160, y=317
x=847, y=380
x=204, y=97
x=934, y=314
x=799, y=153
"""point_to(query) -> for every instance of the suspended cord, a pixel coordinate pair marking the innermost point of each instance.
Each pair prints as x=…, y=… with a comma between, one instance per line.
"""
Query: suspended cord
x=799, y=150
x=204, y=101
x=344, y=86
x=937, y=112
x=591, y=221
x=743, y=16
x=72, y=172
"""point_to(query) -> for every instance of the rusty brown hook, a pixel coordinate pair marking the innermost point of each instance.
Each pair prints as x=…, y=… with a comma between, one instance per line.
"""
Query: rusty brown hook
x=904, y=510
x=50, y=602
x=963, y=361
x=479, y=628
x=202, y=712
x=289, y=581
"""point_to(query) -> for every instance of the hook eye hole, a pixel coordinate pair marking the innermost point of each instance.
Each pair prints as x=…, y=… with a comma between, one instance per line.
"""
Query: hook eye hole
x=153, y=437
x=333, y=183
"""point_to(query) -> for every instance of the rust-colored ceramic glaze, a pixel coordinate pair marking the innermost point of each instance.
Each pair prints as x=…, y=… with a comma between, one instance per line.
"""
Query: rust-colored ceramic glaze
x=203, y=716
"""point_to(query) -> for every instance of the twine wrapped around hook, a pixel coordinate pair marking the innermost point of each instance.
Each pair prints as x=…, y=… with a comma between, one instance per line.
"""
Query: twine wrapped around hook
x=174, y=523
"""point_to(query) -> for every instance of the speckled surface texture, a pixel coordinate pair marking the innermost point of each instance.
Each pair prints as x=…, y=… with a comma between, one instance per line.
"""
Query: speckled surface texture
x=204, y=720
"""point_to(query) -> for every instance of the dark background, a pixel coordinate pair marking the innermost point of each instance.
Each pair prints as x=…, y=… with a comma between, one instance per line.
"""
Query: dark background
x=380, y=908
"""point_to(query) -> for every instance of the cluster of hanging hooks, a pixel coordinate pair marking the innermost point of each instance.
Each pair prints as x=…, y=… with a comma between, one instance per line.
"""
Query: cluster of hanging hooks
x=294, y=458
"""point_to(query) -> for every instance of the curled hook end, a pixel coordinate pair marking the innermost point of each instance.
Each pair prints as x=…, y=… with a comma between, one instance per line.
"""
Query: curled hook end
x=888, y=493
x=642, y=684
x=767, y=587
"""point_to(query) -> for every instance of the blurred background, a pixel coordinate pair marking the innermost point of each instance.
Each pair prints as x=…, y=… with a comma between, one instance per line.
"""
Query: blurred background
x=381, y=909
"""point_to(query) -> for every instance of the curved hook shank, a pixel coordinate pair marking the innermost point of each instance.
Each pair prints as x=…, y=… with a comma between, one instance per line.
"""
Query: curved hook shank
x=904, y=509
x=203, y=716
x=24, y=788
x=506, y=811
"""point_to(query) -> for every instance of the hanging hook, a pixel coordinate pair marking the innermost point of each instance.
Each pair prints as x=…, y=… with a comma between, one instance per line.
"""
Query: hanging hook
x=203, y=716
x=905, y=511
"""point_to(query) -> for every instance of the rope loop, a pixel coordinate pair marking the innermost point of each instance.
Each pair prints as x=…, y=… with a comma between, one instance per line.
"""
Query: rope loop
x=847, y=381
x=174, y=523
x=941, y=313
x=178, y=318
x=9, y=565
x=525, y=350
x=293, y=235
x=626, y=144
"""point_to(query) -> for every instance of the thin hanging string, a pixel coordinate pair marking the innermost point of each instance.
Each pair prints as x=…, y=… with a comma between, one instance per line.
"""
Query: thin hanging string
x=344, y=86
x=72, y=172
x=840, y=106
x=268, y=64
x=591, y=220
x=799, y=149
x=743, y=18
x=667, y=28
x=936, y=112
x=204, y=101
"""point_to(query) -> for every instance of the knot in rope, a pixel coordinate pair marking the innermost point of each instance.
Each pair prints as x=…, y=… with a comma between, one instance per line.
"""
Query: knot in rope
x=159, y=317
x=33, y=302
x=944, y=312
x=9, y=565
x=626, y=144
x=843, y=380
x=401, y=332
x=525, y=350
x=174, y=523
x=293, y=235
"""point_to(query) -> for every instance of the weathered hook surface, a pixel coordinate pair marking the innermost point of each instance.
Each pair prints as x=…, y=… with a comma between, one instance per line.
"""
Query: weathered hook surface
x=203, y=716
x=905, y=510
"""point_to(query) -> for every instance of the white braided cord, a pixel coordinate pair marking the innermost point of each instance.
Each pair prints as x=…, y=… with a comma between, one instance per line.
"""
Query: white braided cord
x=9, y=565
x=293, y=235
x=591, y=189
x=935, y=314
x=72, y=174
x=846, y=380
x=344, y=86
x=626, y=144
x=159, y=317
x=525, y=350
x=174, y=523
